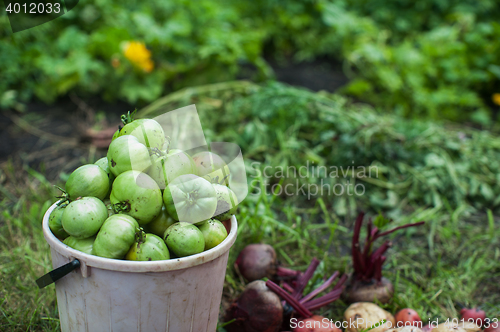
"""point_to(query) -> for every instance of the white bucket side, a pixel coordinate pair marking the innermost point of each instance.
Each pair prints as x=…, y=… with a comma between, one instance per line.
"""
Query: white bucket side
x=177, y=300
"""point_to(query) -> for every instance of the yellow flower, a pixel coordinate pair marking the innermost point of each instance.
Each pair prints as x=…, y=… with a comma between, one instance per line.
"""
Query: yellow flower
x=496, y=98
x=139, y=55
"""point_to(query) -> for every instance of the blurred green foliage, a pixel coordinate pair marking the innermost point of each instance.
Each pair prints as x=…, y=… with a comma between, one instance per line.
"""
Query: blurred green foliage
x=434, y=58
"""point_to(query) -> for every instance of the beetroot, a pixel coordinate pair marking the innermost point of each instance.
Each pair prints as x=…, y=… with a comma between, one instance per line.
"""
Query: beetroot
x=368, y=291
x=407, y=317
x=473, y=315
x=367, y=283
x=257, y=261
x=494, y=327
x=316, y=324
x=256, y=310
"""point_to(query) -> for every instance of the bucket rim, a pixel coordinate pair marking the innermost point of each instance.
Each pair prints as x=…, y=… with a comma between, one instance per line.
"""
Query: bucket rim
x=137, y=266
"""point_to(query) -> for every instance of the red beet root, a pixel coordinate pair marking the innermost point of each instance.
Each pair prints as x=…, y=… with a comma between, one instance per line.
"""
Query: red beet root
x=362, y=291
x=494, y=327
x=257, y=261
x=316, y=324
x=367, y=283
x=256, y=310
x=473, y=315
x=407, y=317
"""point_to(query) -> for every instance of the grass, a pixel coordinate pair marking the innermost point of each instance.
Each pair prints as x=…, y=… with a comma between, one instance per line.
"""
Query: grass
x=453, y=260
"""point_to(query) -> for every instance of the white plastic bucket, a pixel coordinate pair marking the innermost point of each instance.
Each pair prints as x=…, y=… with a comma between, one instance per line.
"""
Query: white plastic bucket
x=176, y=295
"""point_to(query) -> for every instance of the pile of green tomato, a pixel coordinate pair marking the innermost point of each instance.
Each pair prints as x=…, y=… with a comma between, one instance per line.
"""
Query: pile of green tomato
x=121, y=207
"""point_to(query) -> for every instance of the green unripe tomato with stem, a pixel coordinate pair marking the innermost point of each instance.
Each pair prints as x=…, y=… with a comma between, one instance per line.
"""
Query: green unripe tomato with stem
x=211, y=167
x=84, y=217
x=190, y=198
x=116, y=236
x=160, y=224
x=184, y=239
x=165, y=168
x=126, y=153
x=213, y=232
x=83, y=245
x=136, y=194
x=103, y=163
x=227, y=202
x=148, y=131
x=87, y=181
x=148, y=247
x=55, y=218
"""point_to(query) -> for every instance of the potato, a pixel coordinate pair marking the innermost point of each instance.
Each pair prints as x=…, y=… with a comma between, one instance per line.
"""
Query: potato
x=407, y=317
x=454, y=327
x=363, y=315
x=405, y=329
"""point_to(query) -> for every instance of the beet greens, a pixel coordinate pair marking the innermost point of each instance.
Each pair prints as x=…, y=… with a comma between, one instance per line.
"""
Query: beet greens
x=368, y=262
x=304, y=305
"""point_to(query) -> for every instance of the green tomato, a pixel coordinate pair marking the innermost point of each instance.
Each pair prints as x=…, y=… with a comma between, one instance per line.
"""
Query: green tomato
x=148, y=247
x=126, y=153
x=156, y=170
x=116, y=236
x=160, y=224
x=84, y=217
x=88, y=181
x=83, y=245
x=103, y=163
x=172, y=151
x=190, y=198
x=213, y=232
x=184, y=239
x=211, y=167
x=109, y=207
x=148, y=132
x=136, y=194
x=115, y=135
x=227, y=202
x=55, y=221
x=165, y=169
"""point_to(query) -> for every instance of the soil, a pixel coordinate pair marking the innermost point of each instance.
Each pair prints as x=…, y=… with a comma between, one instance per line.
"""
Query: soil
x=320, y=74
x=55, y=138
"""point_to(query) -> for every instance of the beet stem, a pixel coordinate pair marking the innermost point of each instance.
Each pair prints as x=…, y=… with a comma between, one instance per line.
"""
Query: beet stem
x=398, y=228
x=324, y=300
x=378, y=268
x=321, y=288
x=355, y=241
x=320, y=305
x=367, y=264
x=304, y=279
x=301, y=310
x=374, y=259
x=341, y=282
x=368, y=241
x=288, y=288
x=284, y=272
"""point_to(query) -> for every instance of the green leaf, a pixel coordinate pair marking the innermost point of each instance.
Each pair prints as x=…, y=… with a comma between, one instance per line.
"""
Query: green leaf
x=380, y=221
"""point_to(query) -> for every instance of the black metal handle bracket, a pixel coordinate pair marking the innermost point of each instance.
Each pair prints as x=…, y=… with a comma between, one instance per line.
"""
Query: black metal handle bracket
x=57, y=274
